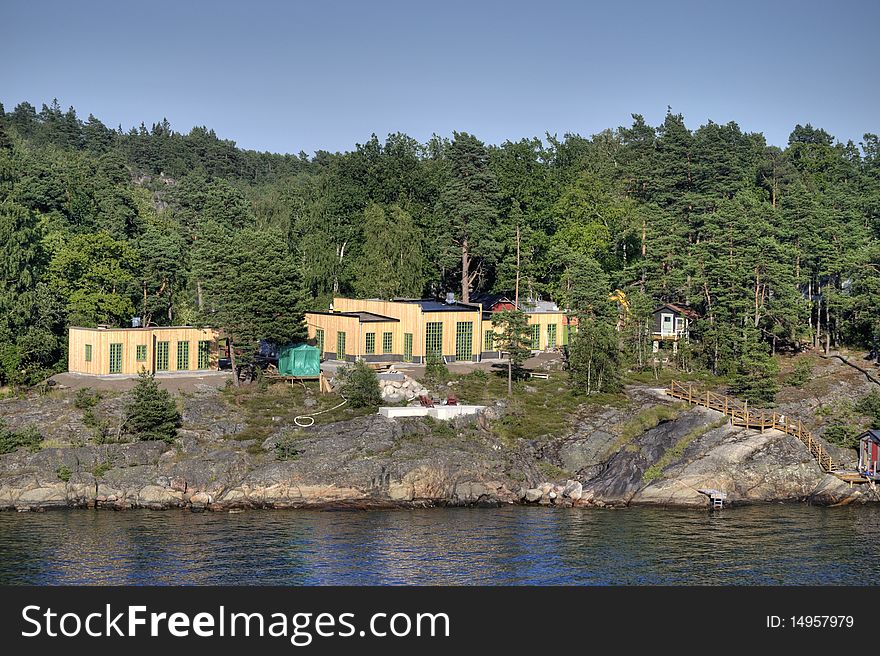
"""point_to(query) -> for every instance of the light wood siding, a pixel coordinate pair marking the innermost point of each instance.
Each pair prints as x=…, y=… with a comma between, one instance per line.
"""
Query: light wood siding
x=130, y=339
x=449, y=321
x=332, y=324
x=408, y=315
x=544, y=319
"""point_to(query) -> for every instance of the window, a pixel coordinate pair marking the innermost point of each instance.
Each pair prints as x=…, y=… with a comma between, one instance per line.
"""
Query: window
x=679, y=324
x=340, y=346
x=161, y=356
x=536, y=337
x=141, y=352
x=386, y=343
x=464, y=340
x=489, y=340
x=204, y=354
x=371, y=343
x=319, y=338
x=182, y=356
x=407, y=347
x=434, y=339
x=116, y=358
x=551, y=335
x=88, y=352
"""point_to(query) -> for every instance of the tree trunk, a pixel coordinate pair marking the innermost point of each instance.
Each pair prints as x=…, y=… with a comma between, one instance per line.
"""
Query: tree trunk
x=465, y=273
x=235, y=380
x=509, y=375
x=199, y=298
x=516, y=293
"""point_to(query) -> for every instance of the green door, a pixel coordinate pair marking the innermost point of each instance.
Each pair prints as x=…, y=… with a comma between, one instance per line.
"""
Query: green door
x=407, y=347
x=116, y=358
x=464, y=340
x=434, y=340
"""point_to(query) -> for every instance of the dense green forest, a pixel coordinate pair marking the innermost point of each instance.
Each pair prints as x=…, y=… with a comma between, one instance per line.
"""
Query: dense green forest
x=776, y=249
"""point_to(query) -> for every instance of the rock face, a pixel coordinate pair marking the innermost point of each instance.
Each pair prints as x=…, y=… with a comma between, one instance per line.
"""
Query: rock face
x=372, y=461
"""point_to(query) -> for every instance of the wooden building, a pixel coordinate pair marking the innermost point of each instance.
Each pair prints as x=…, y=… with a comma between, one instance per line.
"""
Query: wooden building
x=413, y=330
x=672, y=323
x=127, y=351
x=869, y=454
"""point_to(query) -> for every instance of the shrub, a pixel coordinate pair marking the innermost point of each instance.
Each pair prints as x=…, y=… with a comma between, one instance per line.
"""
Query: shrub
x=86, y=398
x=63, y=473
x=285, y=447
x=11, y=440
x=152, y=413
x=436, y=369
x=803, y=371
x=360, y=385
x=842, y=434
x=869, y=405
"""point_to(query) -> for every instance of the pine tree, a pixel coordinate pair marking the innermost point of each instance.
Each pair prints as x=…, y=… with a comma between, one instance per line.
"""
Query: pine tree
x=516, y=340
x=151, y=414
x=468, y=209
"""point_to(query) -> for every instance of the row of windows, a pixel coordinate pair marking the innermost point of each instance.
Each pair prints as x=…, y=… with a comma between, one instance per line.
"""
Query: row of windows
x=162, y=359
x=464, y=331
x=387, y=339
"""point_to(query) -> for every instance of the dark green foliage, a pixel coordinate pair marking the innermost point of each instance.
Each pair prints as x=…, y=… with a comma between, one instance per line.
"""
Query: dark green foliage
x=594, y=357
x=86, y=398
x=436, y=369
x=515, y=338
x=755, y=376
x=360, y=385
x=869, y=405
x=803, y=371
x=64, y=473
x=11, y=440
x=151, y=414
x=98, y=225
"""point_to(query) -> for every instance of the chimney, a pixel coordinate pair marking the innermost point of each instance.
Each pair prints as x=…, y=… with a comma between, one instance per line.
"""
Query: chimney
x=450, y=298
x=135, y=322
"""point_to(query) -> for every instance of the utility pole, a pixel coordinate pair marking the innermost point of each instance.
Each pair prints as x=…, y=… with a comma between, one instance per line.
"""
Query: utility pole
x=516, y=309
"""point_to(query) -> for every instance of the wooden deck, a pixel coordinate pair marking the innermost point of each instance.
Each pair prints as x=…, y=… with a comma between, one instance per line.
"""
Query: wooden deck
x=741, y=415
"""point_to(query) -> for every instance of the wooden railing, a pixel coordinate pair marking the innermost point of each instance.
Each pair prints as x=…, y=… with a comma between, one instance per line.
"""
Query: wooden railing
x=742, y=415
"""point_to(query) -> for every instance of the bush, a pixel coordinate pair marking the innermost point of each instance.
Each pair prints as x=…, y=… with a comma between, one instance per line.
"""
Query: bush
x=64, y=473
x=86, y=398
x=285, y=447
x=803, y=371
x=11, y=440
x=152, y=413
x=842, y=434
x=436, y=370
x=869, y=405
x=360, y=385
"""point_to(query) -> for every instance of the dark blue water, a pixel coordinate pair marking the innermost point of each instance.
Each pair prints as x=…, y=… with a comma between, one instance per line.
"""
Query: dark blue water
x=778, y=544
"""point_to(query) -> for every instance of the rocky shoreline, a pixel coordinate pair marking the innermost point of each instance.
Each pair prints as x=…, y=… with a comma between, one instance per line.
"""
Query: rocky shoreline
x=605, y=459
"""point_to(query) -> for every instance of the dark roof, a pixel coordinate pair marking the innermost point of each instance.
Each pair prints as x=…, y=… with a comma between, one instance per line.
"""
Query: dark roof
x=526, y=305
x=872, y=434
x=430, y=305
x=684, y=310
x=363, y=317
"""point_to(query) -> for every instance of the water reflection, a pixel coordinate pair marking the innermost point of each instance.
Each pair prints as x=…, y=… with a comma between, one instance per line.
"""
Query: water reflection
x=759, y=545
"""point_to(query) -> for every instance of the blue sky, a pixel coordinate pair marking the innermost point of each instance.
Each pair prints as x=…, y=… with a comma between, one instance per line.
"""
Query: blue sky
x=291, y=76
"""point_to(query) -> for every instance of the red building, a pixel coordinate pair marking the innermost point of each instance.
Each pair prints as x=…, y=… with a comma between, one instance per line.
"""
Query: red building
x=869, y=453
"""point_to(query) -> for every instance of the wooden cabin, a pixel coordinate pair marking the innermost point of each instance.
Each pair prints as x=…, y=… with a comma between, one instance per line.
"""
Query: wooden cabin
x=126, y=351
x=869, y=454
x=673, y=322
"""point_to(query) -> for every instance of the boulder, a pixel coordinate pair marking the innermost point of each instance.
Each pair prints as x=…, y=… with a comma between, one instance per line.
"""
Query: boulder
x=534, y=494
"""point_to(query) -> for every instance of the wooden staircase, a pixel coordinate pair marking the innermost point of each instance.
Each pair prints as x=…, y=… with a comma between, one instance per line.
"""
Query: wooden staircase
x=741, y=415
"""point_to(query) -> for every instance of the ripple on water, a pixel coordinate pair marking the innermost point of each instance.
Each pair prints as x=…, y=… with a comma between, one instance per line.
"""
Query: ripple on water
x=777, y=544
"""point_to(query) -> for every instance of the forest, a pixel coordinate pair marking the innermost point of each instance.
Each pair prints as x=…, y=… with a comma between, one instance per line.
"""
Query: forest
x=776, y=249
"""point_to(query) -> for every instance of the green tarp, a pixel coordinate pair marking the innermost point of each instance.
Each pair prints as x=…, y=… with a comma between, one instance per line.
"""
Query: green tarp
x=300, y=360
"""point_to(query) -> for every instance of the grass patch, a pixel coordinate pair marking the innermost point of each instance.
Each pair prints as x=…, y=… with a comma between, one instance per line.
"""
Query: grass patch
x=666, y=375
x=546, y=411
x=644, y=421
x=279, y=403
x=656, y=470
x=551, y=472
x=102, y=468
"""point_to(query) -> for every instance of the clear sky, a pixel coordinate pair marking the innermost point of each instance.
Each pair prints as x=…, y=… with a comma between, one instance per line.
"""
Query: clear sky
x=325, y=74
